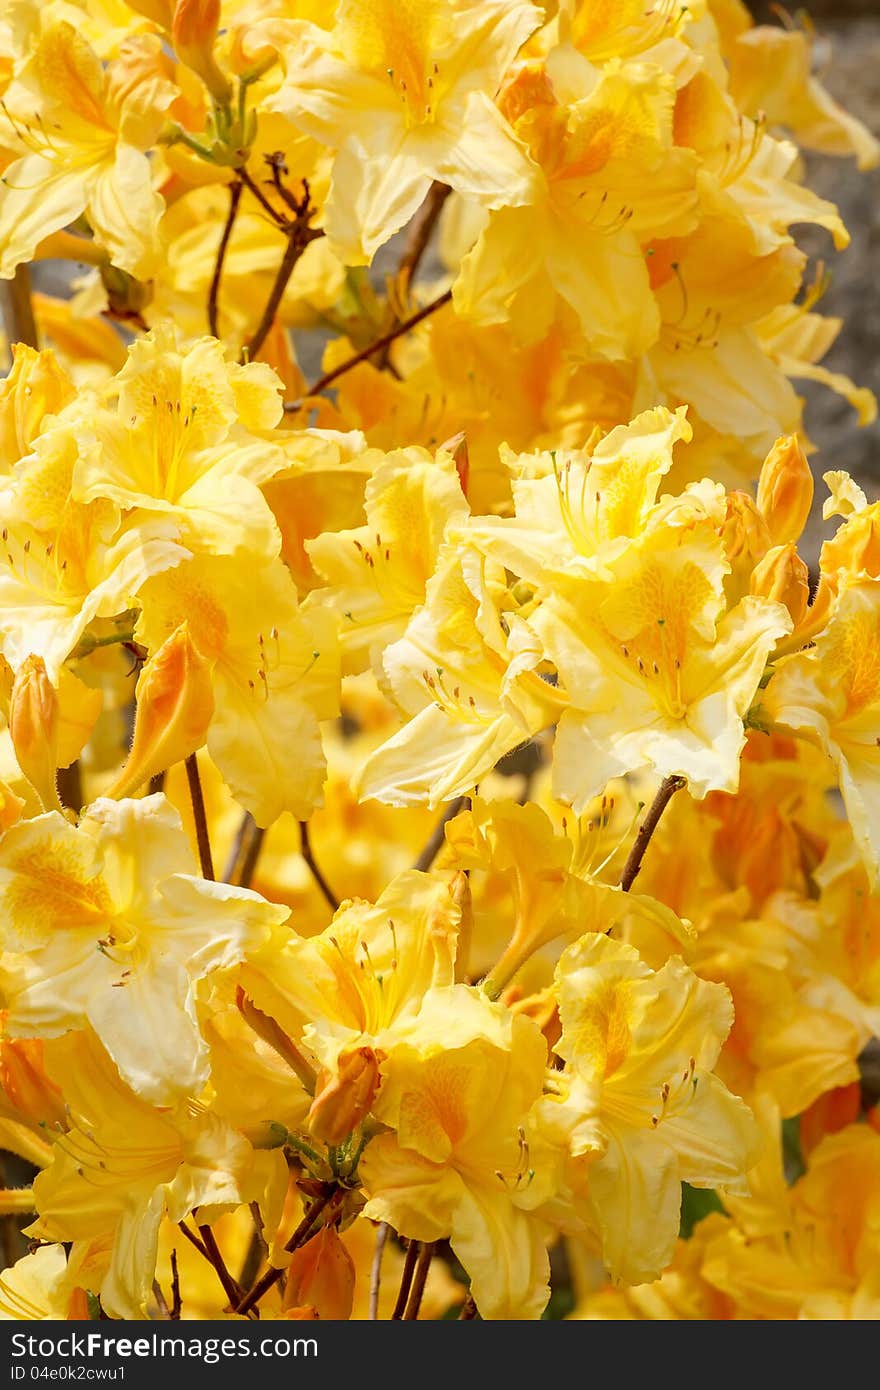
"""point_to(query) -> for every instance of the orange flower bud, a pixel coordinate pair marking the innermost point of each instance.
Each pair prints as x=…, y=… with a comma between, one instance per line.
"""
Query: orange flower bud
x=35, y=387
x=33, y=727
x=344, y=1097
x=746, y=541
x=193, y=34
x=785, y=490
x=175, y=705
x=783, y=576
x=34, y=1098
x=320, y=1278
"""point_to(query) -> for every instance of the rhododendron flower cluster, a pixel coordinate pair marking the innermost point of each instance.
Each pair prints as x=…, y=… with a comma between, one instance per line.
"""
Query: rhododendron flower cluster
x=438, y=804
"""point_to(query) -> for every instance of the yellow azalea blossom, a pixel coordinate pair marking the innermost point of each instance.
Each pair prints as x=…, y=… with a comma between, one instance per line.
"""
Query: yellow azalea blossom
x=822, y=1261
x=611, y=173
x=99, y=1185
x=830, y=694
x=38, y=1288
x=468, y=682
x=377, y=573
x=456, y=1164
x=183, y=436
x=357, y=982
x=274, y=675
x=36, y=386
x=637, y=1098
x=577, y=511
x=81, y=132
x=403, y=93
x=658, y=674
x=555, y=897
x=54, y=583
x=107, y=923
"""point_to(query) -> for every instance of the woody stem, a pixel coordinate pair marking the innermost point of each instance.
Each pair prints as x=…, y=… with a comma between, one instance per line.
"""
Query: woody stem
x=235, y=191
x=373, y=348
x=201, y=821
x=667, y=789
x=299, y=1237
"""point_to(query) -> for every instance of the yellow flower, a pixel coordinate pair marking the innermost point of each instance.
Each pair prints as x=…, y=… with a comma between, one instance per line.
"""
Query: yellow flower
x=123, y=1165
x=185, y=436
x=456, y=1095
x=38, y=1287
x=830, y=694
x=638, y=1100
x=359, y=981
x=658, y=674
x=273, y=670
x=467, y=680
x=81, y=132
x=611, y=178
x=107, y=923
x=378, y=572
x=403, y=93
x=821, y=1259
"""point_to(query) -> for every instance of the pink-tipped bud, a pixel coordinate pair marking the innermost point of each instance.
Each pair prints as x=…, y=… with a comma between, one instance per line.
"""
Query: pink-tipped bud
x=33, y=728
x=193, y=34
x=175, y=704
x=785, y=490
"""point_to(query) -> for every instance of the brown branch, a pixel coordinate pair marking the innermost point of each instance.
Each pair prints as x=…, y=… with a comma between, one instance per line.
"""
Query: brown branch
x=176, y=1302
x=468, y=1310
x=233, y=1290
x=18, y=309
x=299, y=1237
x=668, y=787
x=308, y=856
x=421, y=229
x=261, y=198
x=242, y=861
x=323, y=382
x=406, y=1278
x=299, y=234
x=434, y=843
x=382, y=1233
x=426, y=1255
x=235, y=192
x=201, y=821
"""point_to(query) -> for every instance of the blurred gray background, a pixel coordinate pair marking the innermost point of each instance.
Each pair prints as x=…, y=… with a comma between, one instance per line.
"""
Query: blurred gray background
x=849, y=31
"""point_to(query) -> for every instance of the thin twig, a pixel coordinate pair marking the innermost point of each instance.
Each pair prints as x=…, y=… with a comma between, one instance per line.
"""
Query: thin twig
x=18, y=309
x=299, y=1237
x=468, y=1310
x=231, y=1287
x=261, y=198
x=198, y=806
x=192, y=1238
x=420, y=1278
x=241, y=848
x=235, y=192
x=252, y=854
x=667, y=789
x=299, y=234
x=176, y=1303
x=256, y=1252
x=308, y=856
x=406, y=1278
x=420, y=230
x=435, y=840
x=376, y=1270
x=323, y=382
